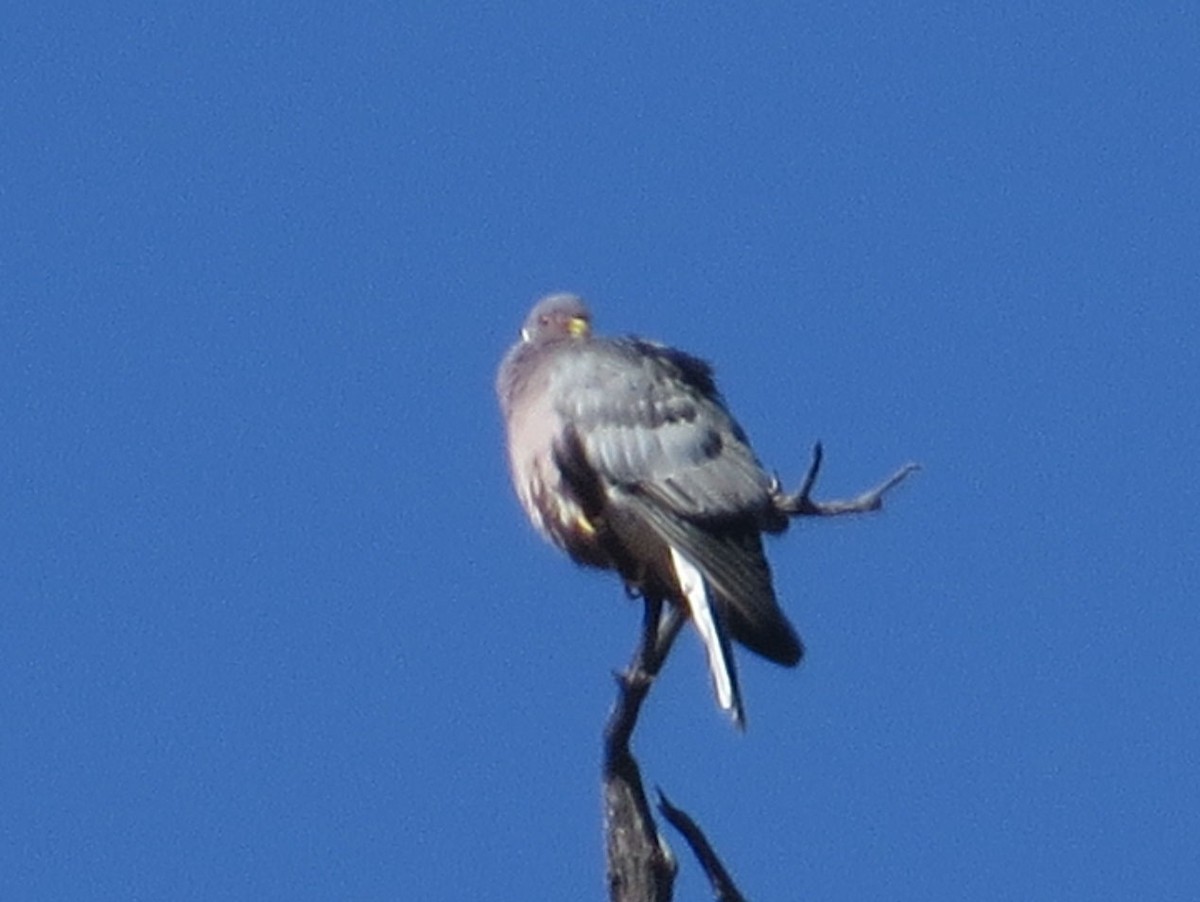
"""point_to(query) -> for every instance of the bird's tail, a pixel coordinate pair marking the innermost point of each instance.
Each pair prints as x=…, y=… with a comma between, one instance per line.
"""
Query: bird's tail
x=737, y=571
x=713, y=634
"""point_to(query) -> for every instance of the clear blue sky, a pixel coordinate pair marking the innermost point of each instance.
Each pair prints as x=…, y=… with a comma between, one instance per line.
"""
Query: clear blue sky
x=273, y=626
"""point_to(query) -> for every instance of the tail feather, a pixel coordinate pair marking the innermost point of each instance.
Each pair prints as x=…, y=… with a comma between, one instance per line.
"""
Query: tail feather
x=712, y=633
x=740, y=576
x=733, y=564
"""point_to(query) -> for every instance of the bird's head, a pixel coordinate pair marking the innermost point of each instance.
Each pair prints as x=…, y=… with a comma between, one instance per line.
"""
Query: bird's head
x=557, y=316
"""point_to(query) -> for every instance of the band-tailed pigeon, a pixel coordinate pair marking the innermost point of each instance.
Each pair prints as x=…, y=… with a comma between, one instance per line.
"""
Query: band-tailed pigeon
x=624, y=455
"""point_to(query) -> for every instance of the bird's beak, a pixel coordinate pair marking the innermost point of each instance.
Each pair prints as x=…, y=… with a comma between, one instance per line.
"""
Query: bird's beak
x=578, y=327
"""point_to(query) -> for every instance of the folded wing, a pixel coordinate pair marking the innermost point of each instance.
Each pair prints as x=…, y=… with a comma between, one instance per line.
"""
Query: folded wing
x=645, y=426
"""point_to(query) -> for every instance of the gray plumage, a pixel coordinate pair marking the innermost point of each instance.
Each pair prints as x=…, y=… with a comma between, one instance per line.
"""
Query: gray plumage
x=624, y=455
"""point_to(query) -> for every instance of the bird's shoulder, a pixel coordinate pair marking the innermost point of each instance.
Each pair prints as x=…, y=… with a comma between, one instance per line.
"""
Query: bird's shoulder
x=676, y=366
x=632, y=380
x=648, y=417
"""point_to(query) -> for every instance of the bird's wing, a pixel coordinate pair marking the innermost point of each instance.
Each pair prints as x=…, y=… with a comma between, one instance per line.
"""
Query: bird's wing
x=649, y=419
x=645, y=426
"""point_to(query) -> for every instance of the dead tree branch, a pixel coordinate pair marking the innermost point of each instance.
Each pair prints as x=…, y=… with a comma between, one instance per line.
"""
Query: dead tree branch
x=718, y=878
x=640, y=865
x=801, y=504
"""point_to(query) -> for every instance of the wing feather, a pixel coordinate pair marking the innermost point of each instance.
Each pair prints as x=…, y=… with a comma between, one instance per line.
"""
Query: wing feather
x=650, y=419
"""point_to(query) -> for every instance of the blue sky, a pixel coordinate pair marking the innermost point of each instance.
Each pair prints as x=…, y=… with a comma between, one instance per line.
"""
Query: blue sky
x=273, y=625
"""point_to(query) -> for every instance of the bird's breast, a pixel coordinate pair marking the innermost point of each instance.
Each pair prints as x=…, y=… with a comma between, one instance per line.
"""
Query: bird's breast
x=543, y=492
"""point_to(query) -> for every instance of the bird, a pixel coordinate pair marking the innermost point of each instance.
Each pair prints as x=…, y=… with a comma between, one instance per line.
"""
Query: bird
x=623, y=453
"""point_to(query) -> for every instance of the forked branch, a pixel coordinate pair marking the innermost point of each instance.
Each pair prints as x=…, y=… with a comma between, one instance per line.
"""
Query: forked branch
x=801, y=504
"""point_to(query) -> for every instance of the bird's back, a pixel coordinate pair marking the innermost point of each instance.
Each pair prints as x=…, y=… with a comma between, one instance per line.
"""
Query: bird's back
x=648, y=451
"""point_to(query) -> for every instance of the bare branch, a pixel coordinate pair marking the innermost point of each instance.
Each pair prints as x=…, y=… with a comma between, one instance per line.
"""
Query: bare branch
x=640, y=865
x=801, y=504
x=718, y=878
